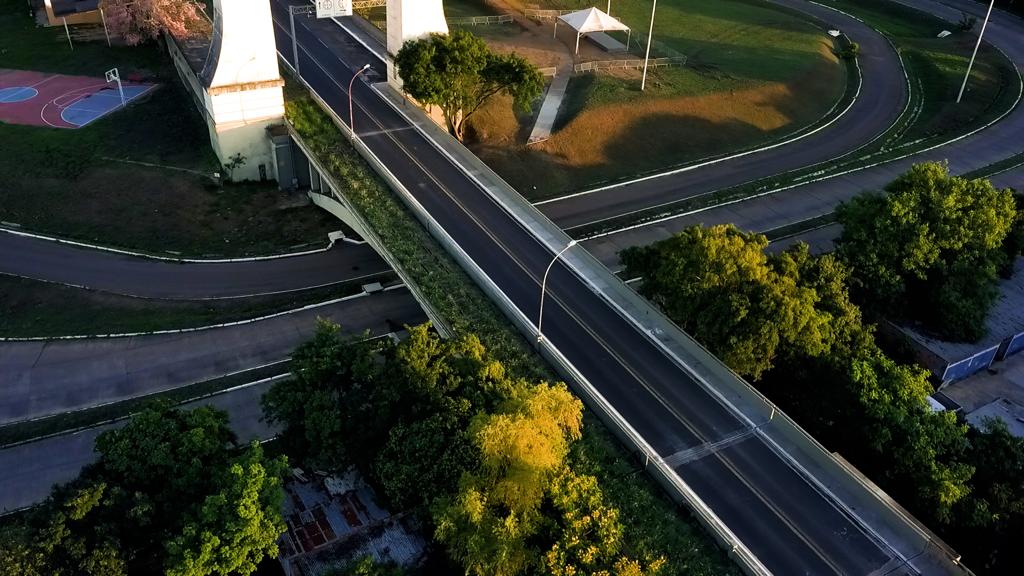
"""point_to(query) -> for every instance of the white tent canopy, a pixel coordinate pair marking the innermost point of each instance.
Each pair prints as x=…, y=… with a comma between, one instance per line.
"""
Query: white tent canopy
x=591, y=20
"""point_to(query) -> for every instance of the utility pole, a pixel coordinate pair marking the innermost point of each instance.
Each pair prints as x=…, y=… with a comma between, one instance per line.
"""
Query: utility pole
x=647, y=55
x=292, y=11
x=975, y=54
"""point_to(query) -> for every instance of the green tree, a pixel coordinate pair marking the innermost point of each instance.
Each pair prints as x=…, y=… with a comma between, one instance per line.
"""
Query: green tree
x=718, y=284
x=458, y=73
x=488, y=525
x=588, y=533
x=930, y=249
x=989, y=525
x=235, y=528
x=169, y=493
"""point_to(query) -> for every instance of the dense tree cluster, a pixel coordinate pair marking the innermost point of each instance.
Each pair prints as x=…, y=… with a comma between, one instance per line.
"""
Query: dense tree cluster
x=931, y=249
x=136, y=21
x=441, y=428
x=788, y=321
x=458, y=73
x=169, y=494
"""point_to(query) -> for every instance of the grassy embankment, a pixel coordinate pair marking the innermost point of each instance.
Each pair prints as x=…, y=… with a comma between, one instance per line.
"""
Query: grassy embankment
x=653, y=522
x=31, y=309
x=62, y=182
x=754, y=73
x=935, y=67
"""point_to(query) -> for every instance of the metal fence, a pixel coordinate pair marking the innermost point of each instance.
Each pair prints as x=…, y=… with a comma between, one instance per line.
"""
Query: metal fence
x=482, y=20
x=602, y=65
x=545, y=15
x=551, y=71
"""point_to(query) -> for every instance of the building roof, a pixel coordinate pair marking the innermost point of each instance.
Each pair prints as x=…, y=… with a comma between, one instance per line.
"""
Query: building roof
x=66, y=7
x=1011, y=413
x=1005, y=319
x=592, y=20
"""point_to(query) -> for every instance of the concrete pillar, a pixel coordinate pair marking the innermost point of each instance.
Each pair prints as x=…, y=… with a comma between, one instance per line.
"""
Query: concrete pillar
x=411, y=20
x=243, y=86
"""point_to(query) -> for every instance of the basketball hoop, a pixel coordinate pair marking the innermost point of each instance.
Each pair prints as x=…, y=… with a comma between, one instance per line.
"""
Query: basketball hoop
x=114, y=76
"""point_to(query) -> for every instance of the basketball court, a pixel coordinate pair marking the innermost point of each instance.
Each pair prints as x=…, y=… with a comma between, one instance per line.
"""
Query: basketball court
x=59, y=101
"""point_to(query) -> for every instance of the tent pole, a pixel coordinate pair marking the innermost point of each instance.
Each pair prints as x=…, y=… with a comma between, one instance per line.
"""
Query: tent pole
x=578, y=43
x=629, y=34
x=554, y=34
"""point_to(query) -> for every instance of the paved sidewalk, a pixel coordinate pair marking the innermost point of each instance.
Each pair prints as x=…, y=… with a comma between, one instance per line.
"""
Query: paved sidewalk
x=552, y=103
x=28, y=471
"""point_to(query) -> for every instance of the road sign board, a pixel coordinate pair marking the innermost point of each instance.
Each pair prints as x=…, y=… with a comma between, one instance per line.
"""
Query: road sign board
x=333, y=8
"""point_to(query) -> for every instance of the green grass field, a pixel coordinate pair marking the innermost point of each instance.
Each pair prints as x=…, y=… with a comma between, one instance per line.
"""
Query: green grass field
x=59, y=182
x=755, y=73
x=936, y=67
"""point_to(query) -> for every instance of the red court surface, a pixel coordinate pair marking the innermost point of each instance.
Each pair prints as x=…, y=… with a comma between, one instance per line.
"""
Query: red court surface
x=59, y=101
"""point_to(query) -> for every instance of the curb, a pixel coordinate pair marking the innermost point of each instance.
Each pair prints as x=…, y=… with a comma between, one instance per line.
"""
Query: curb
x=73, y=431
x=198, y=328
x=162, y=258
x=1020, y=97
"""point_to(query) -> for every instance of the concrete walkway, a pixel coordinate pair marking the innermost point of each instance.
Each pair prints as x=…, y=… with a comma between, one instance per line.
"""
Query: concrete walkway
x=552, y=103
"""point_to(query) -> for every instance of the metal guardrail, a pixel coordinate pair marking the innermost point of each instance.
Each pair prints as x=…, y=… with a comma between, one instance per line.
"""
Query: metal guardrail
x=659, y=470
x=482, y=20
x=600, y=65
x=783, y=435
x=545, y=15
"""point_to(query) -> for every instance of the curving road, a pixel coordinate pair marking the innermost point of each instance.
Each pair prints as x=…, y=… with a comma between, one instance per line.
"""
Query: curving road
x=770, y=505
x=984, y=148
x=116, y=273
x=41, y=378
x=882, y=99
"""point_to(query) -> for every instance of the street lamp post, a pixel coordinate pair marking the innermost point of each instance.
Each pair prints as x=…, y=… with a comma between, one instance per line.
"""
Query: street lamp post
x=975, y=54
x=544, y=287
x=647, y=55
x=351, y=116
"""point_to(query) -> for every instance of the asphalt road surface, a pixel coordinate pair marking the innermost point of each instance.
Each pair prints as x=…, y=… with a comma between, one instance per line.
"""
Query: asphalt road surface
x=792, y=528
x=41, y=378
x=984, y=148
x=151, y=278
x=883, y=97
x=28, y=471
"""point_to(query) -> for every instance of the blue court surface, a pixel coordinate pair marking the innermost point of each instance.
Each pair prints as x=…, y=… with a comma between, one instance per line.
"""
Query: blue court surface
x=17, y=94
x=98, y=104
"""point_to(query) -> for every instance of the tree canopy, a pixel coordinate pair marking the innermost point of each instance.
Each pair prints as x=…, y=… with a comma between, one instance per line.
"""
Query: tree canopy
x=458, y=73
x=930, y=249
x=139, y=20
x=844, y=389
x=440, y=427
x=194, y=505
x=718, y=284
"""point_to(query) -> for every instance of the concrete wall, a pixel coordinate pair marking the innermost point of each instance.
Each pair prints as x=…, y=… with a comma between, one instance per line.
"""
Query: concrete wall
x=244, y=95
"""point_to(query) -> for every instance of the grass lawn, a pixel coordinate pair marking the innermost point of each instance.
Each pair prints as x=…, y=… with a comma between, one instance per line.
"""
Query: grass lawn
x=936, y=67
x=754, y=73
x=30, y=308
x=60, y=182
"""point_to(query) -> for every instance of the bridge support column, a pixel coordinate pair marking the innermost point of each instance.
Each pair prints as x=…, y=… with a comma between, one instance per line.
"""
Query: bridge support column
x=411, y=20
